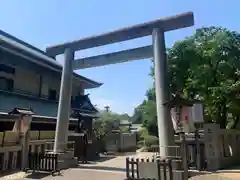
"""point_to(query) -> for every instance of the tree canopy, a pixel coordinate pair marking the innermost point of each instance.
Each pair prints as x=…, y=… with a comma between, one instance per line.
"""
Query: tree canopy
x=107, y=122
x=204, y=66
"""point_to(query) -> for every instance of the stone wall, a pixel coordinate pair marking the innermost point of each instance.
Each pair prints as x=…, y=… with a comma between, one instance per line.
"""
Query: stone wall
x=121, y=142
x=112, y=142
x=128, y=142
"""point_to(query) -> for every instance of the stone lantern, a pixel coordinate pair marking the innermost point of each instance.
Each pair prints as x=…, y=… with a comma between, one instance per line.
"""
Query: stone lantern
x=22, y=126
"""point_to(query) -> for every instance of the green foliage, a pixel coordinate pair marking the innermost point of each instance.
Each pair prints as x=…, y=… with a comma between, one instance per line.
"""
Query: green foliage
x=111, y=116
x=146, y=113
x=124, y=129
x=102, y=128
x=143, y=132
x=106, y=122
x=205, y=66
x=140, y=144
x=150, y=140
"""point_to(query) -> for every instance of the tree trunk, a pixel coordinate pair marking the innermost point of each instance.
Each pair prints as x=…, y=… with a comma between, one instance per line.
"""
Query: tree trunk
x=235, y=123
x=222, y=114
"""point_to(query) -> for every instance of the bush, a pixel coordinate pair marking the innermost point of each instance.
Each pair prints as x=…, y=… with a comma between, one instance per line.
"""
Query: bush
x=150, y=140
x=140, y=144
x=143, y=132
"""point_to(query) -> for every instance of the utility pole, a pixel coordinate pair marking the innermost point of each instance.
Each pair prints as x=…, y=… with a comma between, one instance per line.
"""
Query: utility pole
x=107, y=108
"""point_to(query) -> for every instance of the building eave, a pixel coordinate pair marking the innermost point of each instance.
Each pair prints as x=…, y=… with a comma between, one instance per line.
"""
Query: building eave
x=35, y=53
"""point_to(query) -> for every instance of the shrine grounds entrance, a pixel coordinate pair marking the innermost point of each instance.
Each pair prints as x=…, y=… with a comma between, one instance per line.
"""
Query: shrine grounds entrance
x=157, y=50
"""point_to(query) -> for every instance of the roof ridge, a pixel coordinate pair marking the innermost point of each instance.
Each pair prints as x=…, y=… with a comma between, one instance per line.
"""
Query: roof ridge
x=24, y=43
x=47, y=58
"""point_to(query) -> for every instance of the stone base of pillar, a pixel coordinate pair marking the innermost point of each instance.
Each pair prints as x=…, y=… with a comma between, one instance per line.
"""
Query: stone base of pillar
x=66, y=160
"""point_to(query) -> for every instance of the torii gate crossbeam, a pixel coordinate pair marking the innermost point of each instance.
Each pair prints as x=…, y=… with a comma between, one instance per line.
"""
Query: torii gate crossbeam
x=145, y=52
x=157, y=51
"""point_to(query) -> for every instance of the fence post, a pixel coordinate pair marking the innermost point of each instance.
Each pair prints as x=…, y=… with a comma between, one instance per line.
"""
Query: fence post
x=5, y=161
x=212, y=149
x=184, y=156
x=170, y=171
x=159, y=169
x=137, y=169
x=132, y=168
x=24, y=139
x=3, y=139
x=14, y=159
x=39, y=134
x=164, y=169
x=127, y=167
x=198, y=157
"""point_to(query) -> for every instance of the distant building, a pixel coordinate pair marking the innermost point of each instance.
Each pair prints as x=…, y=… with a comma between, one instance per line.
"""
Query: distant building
x=136, y=127
x=125, y=123
x=132, y=127
x=29, y=78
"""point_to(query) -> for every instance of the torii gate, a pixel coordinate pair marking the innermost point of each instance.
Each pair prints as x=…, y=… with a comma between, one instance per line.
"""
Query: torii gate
x=157, y=51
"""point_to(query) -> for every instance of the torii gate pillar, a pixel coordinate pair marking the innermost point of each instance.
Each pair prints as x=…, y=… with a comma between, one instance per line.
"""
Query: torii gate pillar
x=165, y=127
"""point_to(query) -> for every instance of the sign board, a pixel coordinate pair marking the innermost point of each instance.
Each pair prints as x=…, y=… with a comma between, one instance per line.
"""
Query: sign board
x=197, y=113
x=187, y=120
x=185, y=123
x=176, y=124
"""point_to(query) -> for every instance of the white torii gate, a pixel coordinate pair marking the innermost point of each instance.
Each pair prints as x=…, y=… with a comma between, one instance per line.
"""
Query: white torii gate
x=157, y=51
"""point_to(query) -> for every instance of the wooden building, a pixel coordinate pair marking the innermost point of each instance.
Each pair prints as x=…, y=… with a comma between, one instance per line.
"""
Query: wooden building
x=29, y=78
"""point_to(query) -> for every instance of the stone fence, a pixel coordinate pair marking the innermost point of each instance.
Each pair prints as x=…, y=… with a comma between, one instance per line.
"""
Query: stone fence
x=218, y=148
x=221, y=146
x=11, y=147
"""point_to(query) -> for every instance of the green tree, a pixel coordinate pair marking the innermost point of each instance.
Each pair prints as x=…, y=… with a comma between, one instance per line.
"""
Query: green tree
x=205, y=66
x=107, y=122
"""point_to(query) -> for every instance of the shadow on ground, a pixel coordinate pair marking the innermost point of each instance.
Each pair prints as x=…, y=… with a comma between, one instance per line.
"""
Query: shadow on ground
x=233, y=169
x=105, y=168
x=39, y=175
x=101, y=159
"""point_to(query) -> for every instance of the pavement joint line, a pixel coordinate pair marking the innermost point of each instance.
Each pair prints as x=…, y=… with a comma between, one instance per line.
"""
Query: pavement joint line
x=101, y=170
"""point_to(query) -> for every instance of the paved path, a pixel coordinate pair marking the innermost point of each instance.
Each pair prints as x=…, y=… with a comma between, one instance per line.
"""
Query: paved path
x=106, y=169
x=110, y=169
x=217, y=176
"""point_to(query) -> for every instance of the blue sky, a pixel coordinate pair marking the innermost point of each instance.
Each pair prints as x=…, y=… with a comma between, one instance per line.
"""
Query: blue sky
x=48, y=22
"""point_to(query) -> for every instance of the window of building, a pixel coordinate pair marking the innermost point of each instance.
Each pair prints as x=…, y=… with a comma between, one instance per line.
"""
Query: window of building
x=7, y=69
x=6, y=83
x=52, y=94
